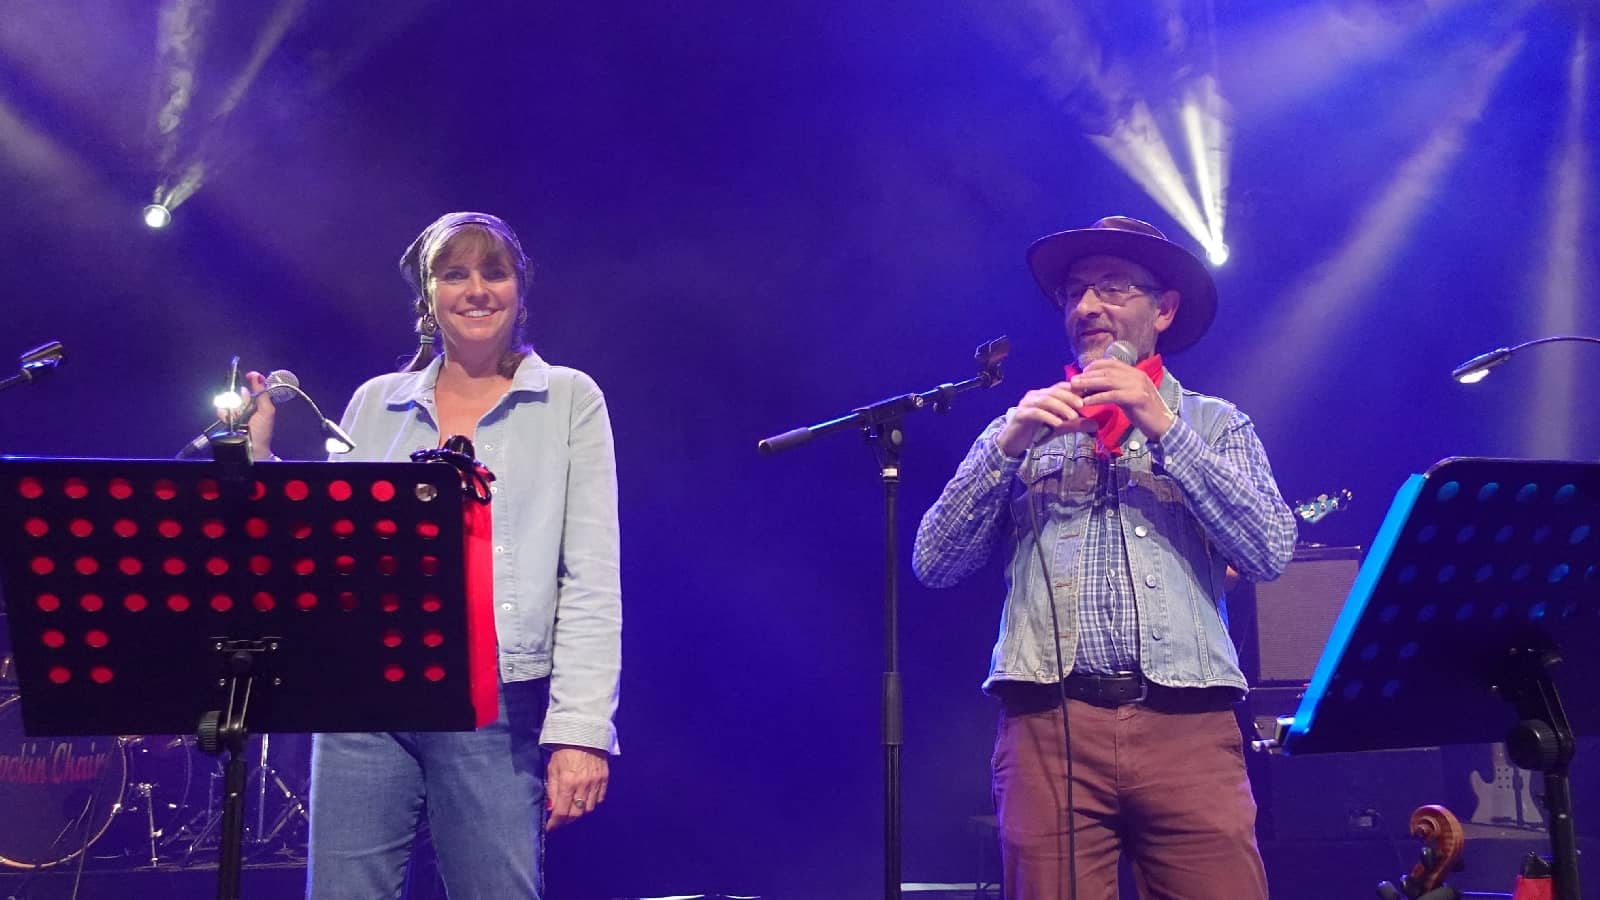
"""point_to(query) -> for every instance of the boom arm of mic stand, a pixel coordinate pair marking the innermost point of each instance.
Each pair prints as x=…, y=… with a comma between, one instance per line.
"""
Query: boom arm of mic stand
x=990, y=356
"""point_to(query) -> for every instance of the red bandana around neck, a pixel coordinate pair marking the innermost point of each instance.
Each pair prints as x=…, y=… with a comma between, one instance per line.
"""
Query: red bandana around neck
x=1113, y=422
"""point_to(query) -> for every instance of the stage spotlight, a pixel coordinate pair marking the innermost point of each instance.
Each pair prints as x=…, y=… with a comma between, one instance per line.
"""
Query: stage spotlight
x=191, y=146
x=1135, y=143
x=157, y=216
x=1126, y=117
x=1217, y=253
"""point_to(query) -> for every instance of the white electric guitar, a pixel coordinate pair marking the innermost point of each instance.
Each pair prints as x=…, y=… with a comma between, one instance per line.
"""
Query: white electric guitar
x=1506, y=799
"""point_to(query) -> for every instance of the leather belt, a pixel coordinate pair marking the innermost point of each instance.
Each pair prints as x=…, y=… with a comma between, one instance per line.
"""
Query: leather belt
x=1107, y=690
x=1110, y=692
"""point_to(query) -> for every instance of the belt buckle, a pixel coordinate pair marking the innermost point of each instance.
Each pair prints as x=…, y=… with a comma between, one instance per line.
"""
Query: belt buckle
x=1144, y=687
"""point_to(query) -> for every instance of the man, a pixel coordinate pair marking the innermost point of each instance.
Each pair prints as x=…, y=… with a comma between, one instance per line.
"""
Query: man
x=1122, y=499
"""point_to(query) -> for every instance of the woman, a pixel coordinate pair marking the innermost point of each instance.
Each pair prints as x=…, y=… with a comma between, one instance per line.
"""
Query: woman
x=544, y=432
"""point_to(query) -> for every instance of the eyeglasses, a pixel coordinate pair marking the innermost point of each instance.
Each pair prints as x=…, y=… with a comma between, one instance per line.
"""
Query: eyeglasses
x=1111, y=291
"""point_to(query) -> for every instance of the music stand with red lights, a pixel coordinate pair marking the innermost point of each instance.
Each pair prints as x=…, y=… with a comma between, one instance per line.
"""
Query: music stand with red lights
x=161, y=597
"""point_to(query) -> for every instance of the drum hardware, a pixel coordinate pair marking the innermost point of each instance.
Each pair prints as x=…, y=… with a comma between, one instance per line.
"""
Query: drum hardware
x=161, y=774
x=294, y=807
x=143, y=807
x=144, y=790
x=281, y=813
x=8, y=670
x=158, y=793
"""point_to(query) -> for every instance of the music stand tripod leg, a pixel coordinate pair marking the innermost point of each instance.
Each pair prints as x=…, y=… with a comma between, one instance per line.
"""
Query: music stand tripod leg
x=1543, y=741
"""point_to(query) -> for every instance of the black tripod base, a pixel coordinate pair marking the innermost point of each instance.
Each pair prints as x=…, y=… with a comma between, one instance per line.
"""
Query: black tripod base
x=1544, y=742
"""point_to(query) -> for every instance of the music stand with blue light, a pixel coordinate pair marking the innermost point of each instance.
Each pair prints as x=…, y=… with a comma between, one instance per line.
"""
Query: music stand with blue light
x=1476, y=609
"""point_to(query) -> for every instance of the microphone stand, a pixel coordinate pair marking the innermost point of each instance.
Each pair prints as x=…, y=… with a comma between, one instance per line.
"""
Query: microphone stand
x=880, y=423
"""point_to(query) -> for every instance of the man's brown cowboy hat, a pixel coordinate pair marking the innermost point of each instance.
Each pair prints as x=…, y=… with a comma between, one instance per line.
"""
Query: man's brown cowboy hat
x=1140, y=242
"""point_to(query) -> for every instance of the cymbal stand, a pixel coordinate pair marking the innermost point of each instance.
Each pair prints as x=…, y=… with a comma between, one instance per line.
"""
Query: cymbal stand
x=263, y=831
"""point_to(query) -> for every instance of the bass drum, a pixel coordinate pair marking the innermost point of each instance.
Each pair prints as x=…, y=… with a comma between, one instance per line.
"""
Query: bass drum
x=157, y=801
x=59, y=794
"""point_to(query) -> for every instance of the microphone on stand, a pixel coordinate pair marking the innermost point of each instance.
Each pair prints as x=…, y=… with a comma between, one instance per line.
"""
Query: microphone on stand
x=42, y=358
x=1121, y=351
x=282, y=386
x=33, y=363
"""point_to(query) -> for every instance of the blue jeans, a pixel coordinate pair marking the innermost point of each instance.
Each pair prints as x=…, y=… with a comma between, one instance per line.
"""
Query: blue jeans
x=483, y=793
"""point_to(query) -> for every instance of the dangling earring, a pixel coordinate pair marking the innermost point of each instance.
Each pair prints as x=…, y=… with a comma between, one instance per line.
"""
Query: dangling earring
x=427, y=327
x=522, y=316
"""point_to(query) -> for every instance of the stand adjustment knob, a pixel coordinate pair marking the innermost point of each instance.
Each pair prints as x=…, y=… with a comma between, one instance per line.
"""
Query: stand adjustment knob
x=209, y=732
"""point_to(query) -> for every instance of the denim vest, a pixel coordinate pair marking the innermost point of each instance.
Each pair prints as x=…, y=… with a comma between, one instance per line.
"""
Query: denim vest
x=1177, y=579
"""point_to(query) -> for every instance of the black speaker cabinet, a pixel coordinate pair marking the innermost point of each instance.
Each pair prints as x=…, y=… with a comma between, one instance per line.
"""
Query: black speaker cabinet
x=1281, y=626
x=1337, y=796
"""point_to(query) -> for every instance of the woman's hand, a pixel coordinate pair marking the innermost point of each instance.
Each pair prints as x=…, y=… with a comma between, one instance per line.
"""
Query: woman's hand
x=575, y=783
x=261, y=419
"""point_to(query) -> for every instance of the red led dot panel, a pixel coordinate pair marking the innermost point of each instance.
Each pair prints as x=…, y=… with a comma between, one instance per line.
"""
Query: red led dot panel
x=122, y=577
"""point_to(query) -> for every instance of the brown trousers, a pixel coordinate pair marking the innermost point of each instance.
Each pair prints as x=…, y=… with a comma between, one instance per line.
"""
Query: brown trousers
x=1167, y=788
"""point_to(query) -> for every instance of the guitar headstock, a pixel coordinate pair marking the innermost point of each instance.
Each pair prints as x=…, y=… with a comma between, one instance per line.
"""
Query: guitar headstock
x=1319, y=507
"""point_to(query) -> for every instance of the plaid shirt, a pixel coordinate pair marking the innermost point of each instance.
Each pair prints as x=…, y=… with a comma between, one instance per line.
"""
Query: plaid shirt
x=1228, y=487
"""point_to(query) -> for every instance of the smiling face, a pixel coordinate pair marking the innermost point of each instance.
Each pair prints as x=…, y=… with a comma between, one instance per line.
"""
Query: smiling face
x=1094, y=321
x=474, y=293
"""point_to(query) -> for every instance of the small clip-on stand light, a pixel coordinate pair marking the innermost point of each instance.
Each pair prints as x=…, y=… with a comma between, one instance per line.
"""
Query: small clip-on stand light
x=146, y=596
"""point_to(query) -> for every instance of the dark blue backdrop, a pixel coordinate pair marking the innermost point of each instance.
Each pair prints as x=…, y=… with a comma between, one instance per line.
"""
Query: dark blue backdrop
x=748, y=217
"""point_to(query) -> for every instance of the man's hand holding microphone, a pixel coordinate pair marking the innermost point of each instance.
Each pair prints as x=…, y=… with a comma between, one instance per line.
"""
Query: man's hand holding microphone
x=1060, y=408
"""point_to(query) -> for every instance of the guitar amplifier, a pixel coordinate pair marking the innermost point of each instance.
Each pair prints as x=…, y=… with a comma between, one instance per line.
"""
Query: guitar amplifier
x=1282, y=625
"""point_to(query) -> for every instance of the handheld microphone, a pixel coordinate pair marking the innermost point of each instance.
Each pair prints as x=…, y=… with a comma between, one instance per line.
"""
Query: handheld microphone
x=1122, y=352
x=282, y=386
